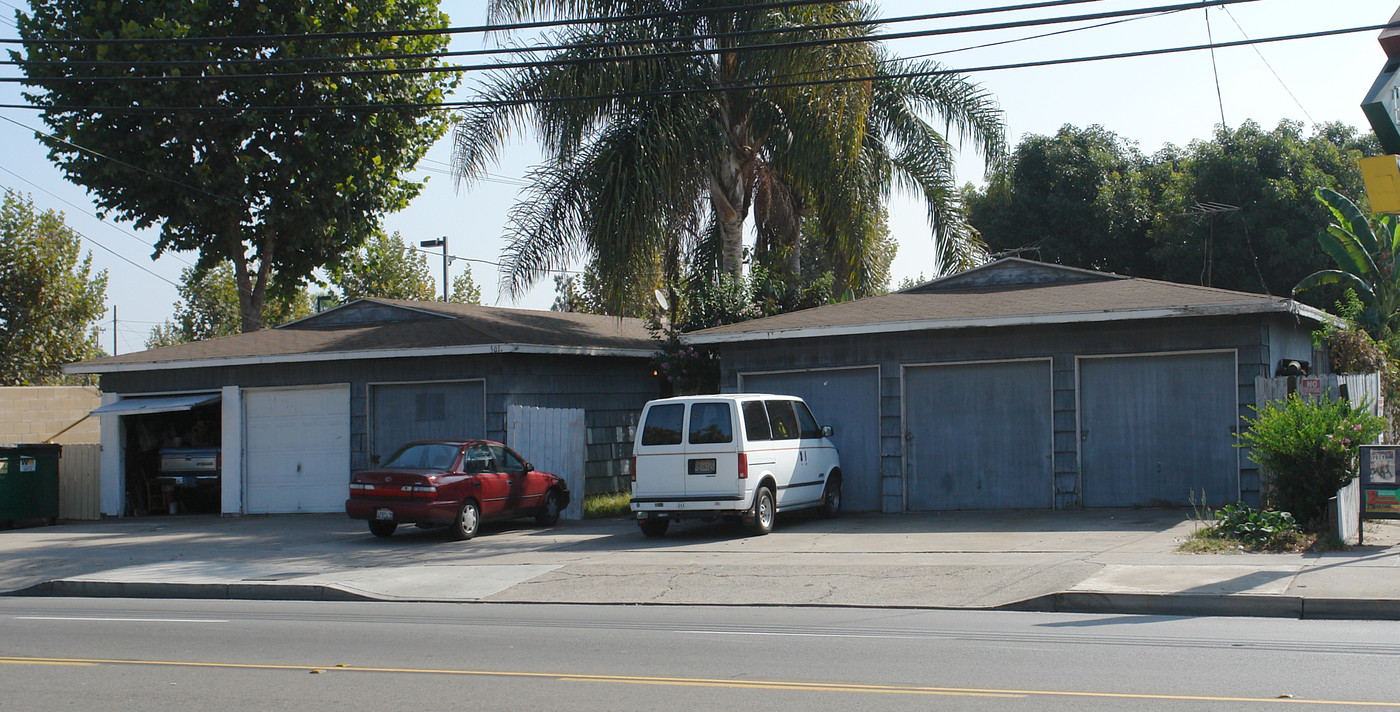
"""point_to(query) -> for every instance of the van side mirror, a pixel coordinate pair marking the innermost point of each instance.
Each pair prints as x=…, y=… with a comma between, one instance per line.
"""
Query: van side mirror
x=827, y=431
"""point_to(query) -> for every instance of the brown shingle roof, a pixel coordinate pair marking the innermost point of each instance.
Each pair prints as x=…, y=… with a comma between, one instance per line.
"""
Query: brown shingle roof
x=391, y=327
x=960, y=302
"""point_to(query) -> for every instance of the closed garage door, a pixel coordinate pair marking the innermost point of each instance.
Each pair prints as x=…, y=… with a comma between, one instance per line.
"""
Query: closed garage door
x=980, y=436
x=849, y=401
x=296, y=449
x=1158, y=430
x=404, y=412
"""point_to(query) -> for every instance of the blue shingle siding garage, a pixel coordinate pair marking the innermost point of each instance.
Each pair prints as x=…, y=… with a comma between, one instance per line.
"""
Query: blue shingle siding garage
x=980, y=435
x=1025, y=385
x=404, y=371
x=848, y=399
x=1158, y=429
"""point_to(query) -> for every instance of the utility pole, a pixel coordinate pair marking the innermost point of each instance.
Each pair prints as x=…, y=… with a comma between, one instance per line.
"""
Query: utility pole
x=114, y=330
x=434, y=243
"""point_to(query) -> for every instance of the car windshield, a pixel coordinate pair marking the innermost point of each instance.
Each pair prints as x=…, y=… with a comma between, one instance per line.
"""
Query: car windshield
x=424, y=456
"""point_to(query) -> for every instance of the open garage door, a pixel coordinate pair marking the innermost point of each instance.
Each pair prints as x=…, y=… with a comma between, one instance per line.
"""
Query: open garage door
x=296, y=449
x=1156, y=429
x=980, y=436
x=404, y=412
x=848, y=400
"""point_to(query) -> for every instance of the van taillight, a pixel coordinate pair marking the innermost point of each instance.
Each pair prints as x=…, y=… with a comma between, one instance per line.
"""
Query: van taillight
x=743, y=466
x=634, y=469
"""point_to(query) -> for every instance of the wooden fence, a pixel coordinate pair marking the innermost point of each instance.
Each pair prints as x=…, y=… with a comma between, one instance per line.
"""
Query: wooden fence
x=79, y=482
x=554, y=440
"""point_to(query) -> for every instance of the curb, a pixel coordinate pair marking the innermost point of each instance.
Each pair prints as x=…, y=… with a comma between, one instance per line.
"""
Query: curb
x=1164, y=604
x=230, y=591
x=1245, y=606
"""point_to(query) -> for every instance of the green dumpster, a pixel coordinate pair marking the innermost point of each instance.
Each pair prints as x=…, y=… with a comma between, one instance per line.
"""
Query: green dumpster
x=29, y=482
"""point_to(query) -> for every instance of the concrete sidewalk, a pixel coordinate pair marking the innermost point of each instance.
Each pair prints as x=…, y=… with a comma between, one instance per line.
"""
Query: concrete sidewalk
x=1109, y=561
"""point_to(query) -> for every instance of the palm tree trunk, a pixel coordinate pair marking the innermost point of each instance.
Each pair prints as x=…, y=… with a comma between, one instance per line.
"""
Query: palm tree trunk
x=730, y=201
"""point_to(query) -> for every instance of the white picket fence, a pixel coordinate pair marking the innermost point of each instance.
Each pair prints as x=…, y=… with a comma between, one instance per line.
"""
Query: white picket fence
x=553, y=440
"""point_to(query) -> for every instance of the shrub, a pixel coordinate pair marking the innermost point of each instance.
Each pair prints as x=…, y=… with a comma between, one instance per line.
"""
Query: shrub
x=1256, y=528
x=1310, y=451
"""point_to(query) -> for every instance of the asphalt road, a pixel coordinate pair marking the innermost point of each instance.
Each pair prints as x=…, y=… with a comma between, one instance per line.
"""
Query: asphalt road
x=196, y=656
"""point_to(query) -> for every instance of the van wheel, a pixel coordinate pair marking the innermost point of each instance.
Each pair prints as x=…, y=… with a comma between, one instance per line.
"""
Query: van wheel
x=655, y=528
x=762, y=512
x=382, y=529
x=831, y=498
x=467, y=522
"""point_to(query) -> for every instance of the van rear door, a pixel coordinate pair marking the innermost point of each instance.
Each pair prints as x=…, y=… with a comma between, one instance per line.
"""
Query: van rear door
x=660, y=452
x=711, y=455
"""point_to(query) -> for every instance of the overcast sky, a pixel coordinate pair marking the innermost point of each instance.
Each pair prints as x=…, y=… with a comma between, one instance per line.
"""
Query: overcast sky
x=1152, y=101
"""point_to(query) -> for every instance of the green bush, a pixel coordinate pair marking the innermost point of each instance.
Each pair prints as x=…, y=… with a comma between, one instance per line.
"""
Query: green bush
x=1255, y=528
x=1309, y=450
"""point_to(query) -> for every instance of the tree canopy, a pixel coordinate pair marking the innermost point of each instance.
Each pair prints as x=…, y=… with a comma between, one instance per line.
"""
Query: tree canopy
x=1235, y=211
x=664, y=136
x=383, y=267
x=50, y=299
x=274, y=175
x=208, y=308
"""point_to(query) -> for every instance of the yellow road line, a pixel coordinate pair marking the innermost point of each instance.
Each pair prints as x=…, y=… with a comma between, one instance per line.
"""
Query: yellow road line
x=793, y=686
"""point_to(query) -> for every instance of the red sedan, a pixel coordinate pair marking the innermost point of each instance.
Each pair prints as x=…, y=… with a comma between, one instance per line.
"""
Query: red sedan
x=457, y=483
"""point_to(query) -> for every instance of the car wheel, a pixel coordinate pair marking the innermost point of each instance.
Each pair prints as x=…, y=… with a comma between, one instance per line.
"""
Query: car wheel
x=382, y=529
x=763, y=512
x=831, y=498
x=654, y=527
x=549, y=513
x=467, y=522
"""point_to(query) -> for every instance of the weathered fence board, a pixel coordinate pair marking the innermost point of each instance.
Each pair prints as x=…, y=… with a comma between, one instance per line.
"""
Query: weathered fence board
x=554, y=440
x=79, y=482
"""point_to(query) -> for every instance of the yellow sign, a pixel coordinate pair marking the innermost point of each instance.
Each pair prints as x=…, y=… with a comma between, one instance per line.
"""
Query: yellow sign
x=1382, y=176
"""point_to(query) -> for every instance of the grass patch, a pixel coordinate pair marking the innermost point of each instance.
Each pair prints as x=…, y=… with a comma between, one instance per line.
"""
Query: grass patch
x=604, y=506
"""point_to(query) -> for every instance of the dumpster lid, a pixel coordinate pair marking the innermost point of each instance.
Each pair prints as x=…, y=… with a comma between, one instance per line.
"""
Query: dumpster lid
x=156, y=404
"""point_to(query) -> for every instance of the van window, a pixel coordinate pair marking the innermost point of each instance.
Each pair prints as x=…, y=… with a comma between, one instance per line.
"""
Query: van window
x=807, y=421
x=663, y=426
x=783, y=420
x=711, y=423
x=756, y=422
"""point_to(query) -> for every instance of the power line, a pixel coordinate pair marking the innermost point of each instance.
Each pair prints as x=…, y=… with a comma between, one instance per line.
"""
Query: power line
x=474, y=29
x=712, y=90
x=132, y=235
x=114, y=253
x=534, y=49
x=586, y=61
x=539, y=24
x=1270, y=66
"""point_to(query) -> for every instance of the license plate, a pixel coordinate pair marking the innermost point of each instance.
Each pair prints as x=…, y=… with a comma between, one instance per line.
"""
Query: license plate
x=384, y=514
x=702, y=466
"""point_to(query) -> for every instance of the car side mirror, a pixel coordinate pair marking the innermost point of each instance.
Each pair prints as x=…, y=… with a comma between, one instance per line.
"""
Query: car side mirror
x=827, y=431
x=529, y=467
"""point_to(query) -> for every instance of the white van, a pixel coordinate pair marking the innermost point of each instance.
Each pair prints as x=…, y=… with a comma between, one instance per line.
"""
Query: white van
x=745, y=455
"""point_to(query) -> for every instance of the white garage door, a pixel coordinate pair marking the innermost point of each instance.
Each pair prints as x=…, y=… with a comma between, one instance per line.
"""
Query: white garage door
x=296, y=449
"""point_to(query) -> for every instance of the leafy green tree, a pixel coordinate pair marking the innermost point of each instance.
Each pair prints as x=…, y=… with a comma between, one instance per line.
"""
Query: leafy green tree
x=1075, y=198
x=1088, y=198
x=1364, y=250
x=50, y=300
x=464, y=289
x=209, y=308
x=664, y=135
x=382, y=267
x=261, y=172
x=1267, y=244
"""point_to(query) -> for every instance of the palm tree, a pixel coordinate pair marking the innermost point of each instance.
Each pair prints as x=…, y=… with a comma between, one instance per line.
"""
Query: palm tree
x=1365, y=251
x=663, y=134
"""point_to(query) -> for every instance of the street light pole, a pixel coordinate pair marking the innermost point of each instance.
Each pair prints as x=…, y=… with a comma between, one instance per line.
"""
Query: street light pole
x=434, y=243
